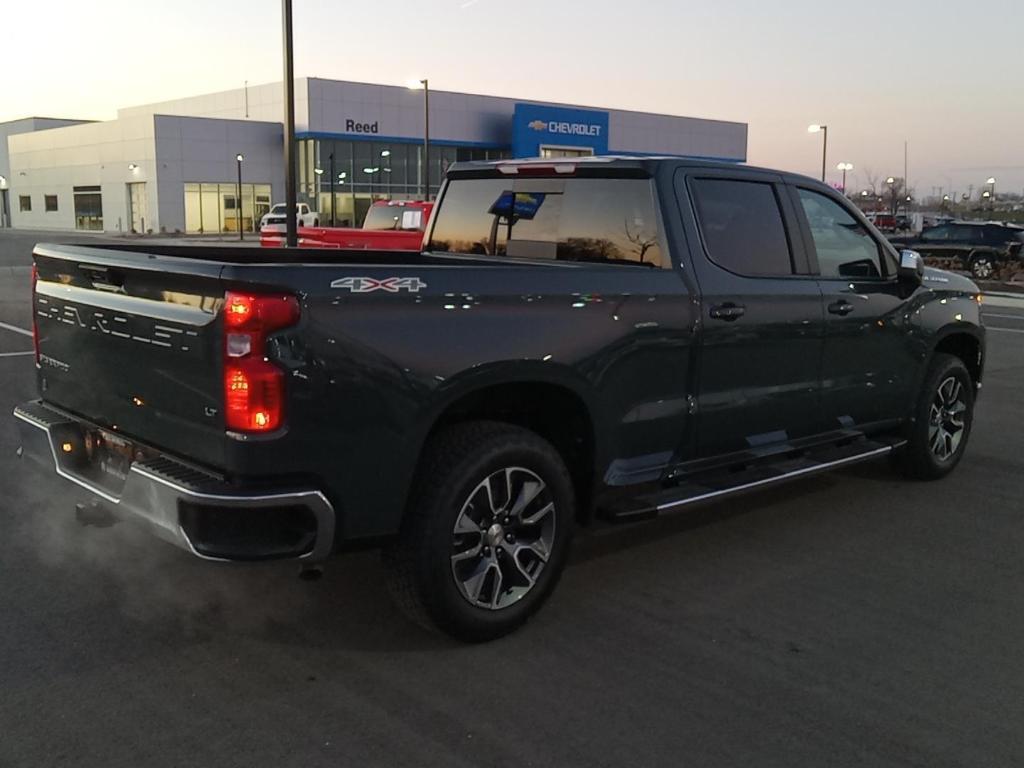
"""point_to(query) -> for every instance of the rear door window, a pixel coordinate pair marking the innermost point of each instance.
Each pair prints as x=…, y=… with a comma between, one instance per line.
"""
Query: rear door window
x=843, y=245
x=936, y=234
x=965, y=233
x=580, y=219
x=742, y=226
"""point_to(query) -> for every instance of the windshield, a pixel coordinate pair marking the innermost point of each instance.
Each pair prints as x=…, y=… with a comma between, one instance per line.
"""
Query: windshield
x=587, y=219
x=383, y=217
x=280, y=208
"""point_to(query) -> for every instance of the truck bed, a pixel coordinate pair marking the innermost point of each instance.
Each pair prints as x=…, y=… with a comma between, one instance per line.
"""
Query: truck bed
x=234, y=254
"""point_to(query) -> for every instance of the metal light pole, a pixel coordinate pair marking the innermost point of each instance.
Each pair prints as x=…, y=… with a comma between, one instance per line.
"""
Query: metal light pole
x=238, y=200
x=844, y=167
x=992, y=184
x=290, y=199
x=824, y=146
x=319, y=180
x=425, y=85
x=331, y=158
x=426, y=139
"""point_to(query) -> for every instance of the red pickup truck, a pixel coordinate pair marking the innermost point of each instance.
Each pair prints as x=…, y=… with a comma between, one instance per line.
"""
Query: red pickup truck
x=395, y=225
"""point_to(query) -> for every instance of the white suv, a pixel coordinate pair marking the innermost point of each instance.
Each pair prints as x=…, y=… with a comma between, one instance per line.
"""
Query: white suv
x=304, y=217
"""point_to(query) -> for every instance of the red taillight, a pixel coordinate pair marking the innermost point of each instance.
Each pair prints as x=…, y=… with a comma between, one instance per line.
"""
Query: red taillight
x=254, y=386
x=254, y=394
x=35, y=321
x=246, y=312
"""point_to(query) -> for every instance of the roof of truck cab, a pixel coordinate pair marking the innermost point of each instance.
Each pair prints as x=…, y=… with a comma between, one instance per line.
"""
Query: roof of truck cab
x=620, y=162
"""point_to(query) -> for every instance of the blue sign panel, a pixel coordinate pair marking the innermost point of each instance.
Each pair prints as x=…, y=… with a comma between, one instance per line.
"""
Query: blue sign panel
x=521, y=205
x=537, y=126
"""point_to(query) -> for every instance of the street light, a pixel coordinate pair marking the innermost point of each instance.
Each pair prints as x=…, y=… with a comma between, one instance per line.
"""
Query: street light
x=3, y=181
x=239, y=158
x=824, y=145
x=319, y=174
x=290, y=199
x=844, y=167
x=331, y=158
x=425, y=85
x=893, y=203
x=992, y=183
x=132, y=167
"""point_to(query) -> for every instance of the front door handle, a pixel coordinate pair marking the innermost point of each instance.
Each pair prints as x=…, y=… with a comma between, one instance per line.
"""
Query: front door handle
x=841, y=307
x=728, y=311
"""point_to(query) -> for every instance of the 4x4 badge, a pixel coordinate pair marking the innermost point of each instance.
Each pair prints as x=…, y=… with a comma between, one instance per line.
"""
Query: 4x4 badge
x=370, y=284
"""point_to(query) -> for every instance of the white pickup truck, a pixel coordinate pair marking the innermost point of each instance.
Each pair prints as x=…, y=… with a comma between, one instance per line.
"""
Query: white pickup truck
x=303, y=216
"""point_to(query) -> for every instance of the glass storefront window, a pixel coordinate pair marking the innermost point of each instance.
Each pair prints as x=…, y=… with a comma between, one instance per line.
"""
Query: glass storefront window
x=213, y=208
x=88, y=208
x=396, y=173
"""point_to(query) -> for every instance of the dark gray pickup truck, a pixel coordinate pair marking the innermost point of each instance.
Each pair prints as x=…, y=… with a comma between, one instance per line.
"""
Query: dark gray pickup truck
x=591, y=340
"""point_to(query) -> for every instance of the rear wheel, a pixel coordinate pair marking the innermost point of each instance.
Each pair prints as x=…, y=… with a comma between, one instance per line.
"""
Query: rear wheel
x=486, y=533
x=942, y=422
x=982, y=267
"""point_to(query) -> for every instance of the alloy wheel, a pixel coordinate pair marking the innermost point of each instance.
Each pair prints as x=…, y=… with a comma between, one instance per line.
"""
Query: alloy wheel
x=982, y=268
x=946, y=422
x=503, y=538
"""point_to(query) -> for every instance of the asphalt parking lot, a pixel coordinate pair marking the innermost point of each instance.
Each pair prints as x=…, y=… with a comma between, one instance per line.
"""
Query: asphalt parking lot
x=852, y=619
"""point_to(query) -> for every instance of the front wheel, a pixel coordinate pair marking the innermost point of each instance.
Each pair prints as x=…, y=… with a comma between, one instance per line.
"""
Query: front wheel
x=487, y=531
x=944, y=412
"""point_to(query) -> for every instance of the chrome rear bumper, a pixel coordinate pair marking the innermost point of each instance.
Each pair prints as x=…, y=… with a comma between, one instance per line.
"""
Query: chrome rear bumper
x=170, y=497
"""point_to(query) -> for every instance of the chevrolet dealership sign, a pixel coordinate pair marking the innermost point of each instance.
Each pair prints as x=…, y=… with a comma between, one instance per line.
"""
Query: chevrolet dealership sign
x=537, y=126
x=576, y=129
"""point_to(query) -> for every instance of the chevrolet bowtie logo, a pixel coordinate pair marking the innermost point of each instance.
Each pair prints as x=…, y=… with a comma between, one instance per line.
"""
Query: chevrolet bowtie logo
x=538, y=125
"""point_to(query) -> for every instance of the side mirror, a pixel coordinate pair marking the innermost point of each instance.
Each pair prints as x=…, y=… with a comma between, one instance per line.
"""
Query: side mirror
x=911, y=267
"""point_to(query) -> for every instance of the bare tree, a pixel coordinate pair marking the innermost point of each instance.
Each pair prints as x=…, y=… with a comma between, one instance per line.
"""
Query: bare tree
x=872, y=180
x=642, y=244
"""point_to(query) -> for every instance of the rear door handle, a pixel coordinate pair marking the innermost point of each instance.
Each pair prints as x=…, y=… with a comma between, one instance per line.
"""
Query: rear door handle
x=841, y=307
x=728, y=311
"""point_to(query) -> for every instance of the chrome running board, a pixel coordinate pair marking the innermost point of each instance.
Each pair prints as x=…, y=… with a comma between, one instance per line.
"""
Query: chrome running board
x=738, y=480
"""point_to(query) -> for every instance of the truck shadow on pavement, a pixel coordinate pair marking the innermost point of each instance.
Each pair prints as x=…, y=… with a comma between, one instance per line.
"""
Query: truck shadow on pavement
x=136, y=584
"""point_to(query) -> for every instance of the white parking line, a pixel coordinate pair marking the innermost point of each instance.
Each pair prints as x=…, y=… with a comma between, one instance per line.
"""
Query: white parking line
x=1004, y=330
x=16, y=354
x=1009, y=317
x=16, y=329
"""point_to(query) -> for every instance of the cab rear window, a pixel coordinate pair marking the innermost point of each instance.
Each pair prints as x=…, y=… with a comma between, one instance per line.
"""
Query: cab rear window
x=580, y=219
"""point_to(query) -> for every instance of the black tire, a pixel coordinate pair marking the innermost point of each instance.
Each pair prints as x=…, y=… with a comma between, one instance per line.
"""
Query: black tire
x=983, y=266
x=316, y=222
x=422, y=570
x=920, y=458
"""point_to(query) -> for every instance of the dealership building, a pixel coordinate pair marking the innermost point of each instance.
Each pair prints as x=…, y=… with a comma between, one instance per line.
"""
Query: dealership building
x=173, y=166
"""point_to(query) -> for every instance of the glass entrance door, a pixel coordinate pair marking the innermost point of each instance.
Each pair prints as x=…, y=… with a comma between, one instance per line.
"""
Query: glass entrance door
x=5, y=208
x=137, y=207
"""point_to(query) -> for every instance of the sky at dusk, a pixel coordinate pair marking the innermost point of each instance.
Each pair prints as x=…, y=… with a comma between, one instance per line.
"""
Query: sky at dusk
x=878, y=73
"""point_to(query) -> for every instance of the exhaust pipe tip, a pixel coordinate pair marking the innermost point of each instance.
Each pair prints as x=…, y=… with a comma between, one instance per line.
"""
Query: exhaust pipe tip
x=94, y=514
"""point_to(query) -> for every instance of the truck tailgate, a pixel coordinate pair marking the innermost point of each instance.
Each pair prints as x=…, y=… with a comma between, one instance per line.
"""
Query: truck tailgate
x=132, y=342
